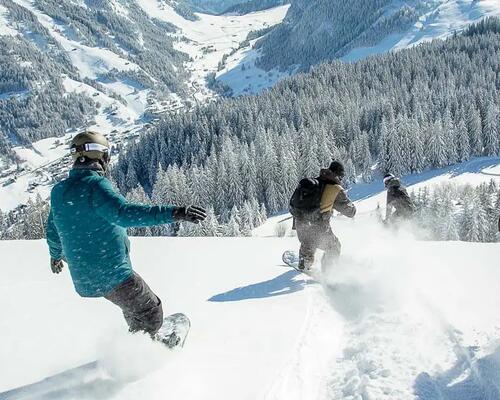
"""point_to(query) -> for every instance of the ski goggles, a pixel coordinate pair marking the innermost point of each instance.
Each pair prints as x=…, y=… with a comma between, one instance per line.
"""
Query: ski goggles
x=388, y=179
x=89, y=147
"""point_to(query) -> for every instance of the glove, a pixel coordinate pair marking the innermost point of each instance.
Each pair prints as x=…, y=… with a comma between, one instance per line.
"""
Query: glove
x=190, y=214
x=56, y=265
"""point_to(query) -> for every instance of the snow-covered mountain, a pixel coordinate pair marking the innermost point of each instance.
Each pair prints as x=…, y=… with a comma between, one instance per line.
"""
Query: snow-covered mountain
x=397, y=319
x=319, y=30
x=109, y=65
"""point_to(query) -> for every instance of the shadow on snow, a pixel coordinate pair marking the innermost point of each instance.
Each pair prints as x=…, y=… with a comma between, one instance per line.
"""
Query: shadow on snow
x=281, y=285
x=86, y=382
x=466, y=380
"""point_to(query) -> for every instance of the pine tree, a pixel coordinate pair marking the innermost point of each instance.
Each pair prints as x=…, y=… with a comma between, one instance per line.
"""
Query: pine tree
x=246, y=219
x=475, y=131
x=491, y=131
x=210, y=227
x=463, y=145
x=232, y=227
x=437, y=146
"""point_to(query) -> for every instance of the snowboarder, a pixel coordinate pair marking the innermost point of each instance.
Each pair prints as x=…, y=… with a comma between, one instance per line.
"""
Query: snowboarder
x=400, y=207
x=312, y=206
x=86, y=228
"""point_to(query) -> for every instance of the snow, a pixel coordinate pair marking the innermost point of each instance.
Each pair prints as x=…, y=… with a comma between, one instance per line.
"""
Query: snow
x=43, y=152
x=230, y=335
x=221, y=34
x=19, y=94
x=445, y=19
x=5, y=29
x=244, y=77
x=395, y=318
x=90, y=61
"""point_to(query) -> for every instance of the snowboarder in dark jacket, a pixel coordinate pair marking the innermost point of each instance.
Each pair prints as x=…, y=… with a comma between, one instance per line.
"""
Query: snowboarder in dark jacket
x=400, y=207
x=86, y=228
x=314, y=231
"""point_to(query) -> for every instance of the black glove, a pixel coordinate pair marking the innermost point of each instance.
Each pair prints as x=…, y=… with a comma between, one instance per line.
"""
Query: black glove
x=191, y=214
x=56, y=265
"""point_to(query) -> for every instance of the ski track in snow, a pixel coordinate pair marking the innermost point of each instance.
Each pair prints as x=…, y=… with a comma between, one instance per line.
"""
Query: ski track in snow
x=303, y=377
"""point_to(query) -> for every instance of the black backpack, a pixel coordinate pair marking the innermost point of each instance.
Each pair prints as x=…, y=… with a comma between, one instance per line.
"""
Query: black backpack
x=305, y=203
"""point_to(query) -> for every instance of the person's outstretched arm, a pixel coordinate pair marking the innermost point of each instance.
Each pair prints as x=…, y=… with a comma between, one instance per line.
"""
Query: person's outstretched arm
x=116, y=209
x=344, y=205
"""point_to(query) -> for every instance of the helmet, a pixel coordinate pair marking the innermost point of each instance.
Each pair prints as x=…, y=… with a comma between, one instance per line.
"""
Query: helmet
x=90, y=145
x=390, y=180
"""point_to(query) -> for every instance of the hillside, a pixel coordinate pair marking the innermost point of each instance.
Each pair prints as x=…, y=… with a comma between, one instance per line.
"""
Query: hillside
x=320, y=30
x=114, y=67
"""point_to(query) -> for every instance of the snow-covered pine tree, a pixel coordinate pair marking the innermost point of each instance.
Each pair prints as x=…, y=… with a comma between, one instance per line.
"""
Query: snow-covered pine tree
x=232, y=227
x=210, y=227
x=491, y=130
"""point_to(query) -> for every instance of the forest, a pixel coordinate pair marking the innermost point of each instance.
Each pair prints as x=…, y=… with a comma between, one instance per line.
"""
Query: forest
x=421, y=108
x=315, y=31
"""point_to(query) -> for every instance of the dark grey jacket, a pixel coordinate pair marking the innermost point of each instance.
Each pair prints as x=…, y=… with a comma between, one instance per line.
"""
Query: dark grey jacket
x=399, y=204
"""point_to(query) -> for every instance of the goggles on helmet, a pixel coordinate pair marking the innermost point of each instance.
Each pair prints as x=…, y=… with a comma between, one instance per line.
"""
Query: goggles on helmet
x=89, y=147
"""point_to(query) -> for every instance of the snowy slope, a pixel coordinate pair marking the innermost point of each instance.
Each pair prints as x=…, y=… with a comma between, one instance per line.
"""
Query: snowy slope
x=120, y=114
x=211, y=37
x=396, y=318
x=446, y=18
x=316, y=31
x=206, y=41
x=232, y=344
x=90, y=63
x=244, y=77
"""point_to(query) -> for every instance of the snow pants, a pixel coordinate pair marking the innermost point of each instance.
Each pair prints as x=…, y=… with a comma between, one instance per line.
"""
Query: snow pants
x=141, y=308
x=317, y=235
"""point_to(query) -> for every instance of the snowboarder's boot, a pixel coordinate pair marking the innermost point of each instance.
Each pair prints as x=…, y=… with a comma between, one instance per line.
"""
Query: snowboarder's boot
x=304, y=264
x=171, y=341
x=174, y=330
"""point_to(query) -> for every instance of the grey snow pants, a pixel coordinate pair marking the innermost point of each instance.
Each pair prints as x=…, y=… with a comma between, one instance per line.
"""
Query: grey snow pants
x=141, y=308
x=317, y=235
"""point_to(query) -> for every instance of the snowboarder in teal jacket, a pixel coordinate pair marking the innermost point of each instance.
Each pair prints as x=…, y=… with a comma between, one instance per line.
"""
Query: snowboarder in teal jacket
x=86, y=228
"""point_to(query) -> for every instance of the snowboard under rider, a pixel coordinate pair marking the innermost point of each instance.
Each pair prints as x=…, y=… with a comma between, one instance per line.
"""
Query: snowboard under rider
x=400, y=207
x=86, y=228
x=313, y=228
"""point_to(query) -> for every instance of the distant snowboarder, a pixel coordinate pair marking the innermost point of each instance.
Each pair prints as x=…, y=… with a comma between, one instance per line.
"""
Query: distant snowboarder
x=86, y=228
x=400, y=207
x=312, y=206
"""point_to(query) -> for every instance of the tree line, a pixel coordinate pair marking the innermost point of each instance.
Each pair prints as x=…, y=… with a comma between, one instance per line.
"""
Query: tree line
x=420, y=108
x=459, y=212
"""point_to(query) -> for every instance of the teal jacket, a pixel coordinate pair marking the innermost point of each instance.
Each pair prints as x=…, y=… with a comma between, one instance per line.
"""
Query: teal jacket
x=86, y=227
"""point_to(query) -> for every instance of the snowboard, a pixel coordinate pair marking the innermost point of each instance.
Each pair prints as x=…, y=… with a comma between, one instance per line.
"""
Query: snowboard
x=291, y=259
x=174, y=330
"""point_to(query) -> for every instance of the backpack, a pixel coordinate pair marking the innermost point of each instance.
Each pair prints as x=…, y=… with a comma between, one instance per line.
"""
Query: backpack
x=305, y=203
